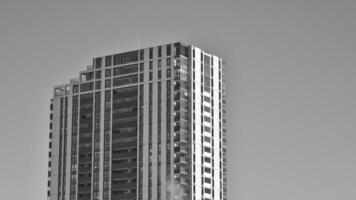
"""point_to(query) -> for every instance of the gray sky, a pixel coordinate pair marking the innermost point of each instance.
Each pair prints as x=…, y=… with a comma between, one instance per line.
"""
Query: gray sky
x=291, y=84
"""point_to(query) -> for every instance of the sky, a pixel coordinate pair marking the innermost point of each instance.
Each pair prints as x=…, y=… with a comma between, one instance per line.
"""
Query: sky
x=291, y=68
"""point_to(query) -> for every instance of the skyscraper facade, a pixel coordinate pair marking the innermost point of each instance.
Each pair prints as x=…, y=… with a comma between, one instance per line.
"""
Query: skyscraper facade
x=147, y=124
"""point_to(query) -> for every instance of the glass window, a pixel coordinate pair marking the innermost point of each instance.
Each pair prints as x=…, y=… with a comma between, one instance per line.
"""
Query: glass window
x=98, y=74
x=207, y=139
x=176, y=49
x=184, y=50
x=97, y=63
x=87, y=76
x=207, y=180
x=168, y=50
x=107, y=72
x=141, y=77
x=108, y=61
x=207, y=119
x=107, y=83
x=207, y=99
x=142, y=57
x=75, y=89
x=206, y=159
x=159, y=64
x=97, y=85
x=206, y=109
x=207, y=170
x=151, y=53
x=150, y=65
x=207, y=149
x=127, y=57
x=127, y=69
x=168, y=73
x=125, y=80
x=207, y=190
x=206, y=60
x=86, y=87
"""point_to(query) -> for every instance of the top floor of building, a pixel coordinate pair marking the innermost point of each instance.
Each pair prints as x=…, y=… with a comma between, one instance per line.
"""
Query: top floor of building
x=131, y=62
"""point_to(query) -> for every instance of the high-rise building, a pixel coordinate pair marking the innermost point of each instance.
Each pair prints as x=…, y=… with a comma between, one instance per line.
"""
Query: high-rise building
x=148, y=124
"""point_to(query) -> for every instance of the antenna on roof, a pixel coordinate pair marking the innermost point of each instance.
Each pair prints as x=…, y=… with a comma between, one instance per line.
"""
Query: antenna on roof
x=138, y=41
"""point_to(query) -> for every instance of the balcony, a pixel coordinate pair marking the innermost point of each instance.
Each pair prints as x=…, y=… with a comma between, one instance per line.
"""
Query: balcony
x=123, y=196
x=122, y=114
x=84, y=170
x=124, y=175
x=119, y=156
x=85, y=160
x=183, y=181
x=125, y=104
x=123, y=186
x=85, y=150
x=124, y=145
x=127, y=134
x=124, y=165
x=181, y=159
x=84, y=180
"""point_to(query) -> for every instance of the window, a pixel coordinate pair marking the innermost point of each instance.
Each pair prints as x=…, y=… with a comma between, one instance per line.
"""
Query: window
x=150, y=65
x=207, y=190
x=97, y=74
x=86, y=87
x=206, y=159
x=127, y=69
x=141, y=67
x=87, y=76
x=207, y=180
x=151, y=53
x=207, y=99
x=207, y=149
x=125, y=80
x=97, y=63
x=168, y=50
x=108, y=61
x=142, y=54
x=206, y=129
x=207, y=170
x=97, y=85
x=168, y=62
x=207, y=119
x=127, y=57
x=75, y=89
x=159, y=51
x=206, y=109
x=107, y=72
x=159, y=64
x=168, y=73
x=107, y=83
x=176, y=49
x=141, y=77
